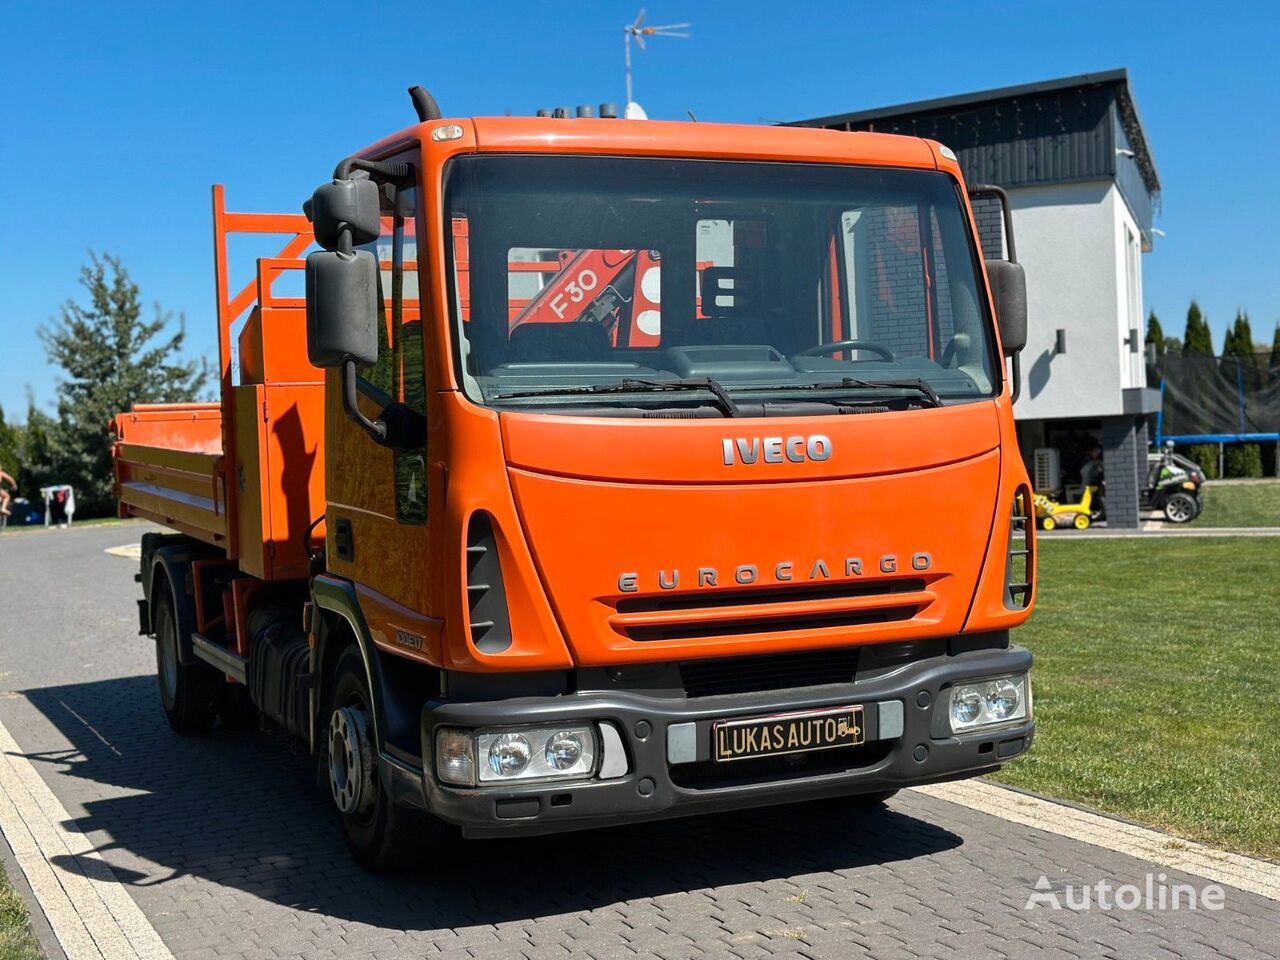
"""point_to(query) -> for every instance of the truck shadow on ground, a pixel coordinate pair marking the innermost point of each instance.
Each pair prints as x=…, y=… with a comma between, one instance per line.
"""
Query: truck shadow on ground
x=241, y=810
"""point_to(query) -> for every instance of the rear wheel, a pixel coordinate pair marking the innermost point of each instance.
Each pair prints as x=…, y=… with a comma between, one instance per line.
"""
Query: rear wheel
x=1180, y=508
x=1082, y=521
x=191, y=695
x=381, y=835
x=1048, y=523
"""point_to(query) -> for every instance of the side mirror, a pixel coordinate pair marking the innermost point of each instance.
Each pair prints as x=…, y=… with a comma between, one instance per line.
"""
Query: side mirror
x=342, y=287
x=1009, y=291
x=345, y=206
x=342, y=308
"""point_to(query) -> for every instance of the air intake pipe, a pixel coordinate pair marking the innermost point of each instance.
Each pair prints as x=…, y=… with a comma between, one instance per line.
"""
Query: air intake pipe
x=425, y=104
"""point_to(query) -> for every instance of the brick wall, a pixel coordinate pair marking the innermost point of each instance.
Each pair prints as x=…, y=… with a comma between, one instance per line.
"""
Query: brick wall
x=990, y=221
x=896, y=283
x=1120, y=452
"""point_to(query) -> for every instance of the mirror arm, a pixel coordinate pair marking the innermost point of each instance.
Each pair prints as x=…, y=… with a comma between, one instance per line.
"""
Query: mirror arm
x=386, y=170
x=1015, y=378
x=375, y=428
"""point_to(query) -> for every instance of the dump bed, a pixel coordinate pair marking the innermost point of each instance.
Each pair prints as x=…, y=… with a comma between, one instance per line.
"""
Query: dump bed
x=168, y=467
x=245, y=474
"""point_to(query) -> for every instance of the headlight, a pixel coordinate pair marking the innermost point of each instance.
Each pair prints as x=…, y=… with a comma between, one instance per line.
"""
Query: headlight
x=509, y=755
x=515, y=754
x=987, y=702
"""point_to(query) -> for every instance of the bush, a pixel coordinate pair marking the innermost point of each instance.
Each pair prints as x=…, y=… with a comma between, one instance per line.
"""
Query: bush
x=1243, y=460
x=1206, y=455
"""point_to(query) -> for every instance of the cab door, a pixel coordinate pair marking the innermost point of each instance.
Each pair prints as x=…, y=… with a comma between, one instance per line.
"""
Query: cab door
x=378, y=507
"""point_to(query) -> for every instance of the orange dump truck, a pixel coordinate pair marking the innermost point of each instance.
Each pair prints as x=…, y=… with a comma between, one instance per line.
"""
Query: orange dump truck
x=608, y=470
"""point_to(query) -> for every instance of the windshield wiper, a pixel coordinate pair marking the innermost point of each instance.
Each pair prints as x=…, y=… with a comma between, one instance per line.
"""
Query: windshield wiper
x=639, y=385
x=912, y=383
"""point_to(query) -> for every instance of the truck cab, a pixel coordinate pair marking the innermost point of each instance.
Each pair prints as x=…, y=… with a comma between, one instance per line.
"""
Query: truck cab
x=655, y=469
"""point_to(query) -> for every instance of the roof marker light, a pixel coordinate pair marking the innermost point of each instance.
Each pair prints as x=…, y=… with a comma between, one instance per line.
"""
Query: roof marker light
x=946, y=151
x=449, y=131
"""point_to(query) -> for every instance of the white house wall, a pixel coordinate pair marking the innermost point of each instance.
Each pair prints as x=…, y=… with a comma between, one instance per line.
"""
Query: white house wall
x=1070, y=241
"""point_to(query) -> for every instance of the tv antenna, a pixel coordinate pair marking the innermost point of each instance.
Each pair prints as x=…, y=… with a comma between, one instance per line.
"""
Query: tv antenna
x=639, y=31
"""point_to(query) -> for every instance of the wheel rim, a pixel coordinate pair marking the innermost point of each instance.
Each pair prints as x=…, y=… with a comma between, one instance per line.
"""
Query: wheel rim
x=1178, y=510
x=169, y=659
x=351, y=760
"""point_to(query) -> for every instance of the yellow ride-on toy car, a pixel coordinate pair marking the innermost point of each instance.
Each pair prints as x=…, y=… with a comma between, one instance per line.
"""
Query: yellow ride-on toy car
x=1052, y=514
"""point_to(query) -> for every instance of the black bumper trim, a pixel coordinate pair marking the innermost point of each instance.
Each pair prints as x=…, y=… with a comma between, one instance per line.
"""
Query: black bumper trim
x=647, y=791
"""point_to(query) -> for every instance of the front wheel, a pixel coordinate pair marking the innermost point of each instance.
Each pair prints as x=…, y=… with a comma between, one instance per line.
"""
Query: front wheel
x=1180, y=508
x=1082, y=521
x=381, y=835
x=1048, y=523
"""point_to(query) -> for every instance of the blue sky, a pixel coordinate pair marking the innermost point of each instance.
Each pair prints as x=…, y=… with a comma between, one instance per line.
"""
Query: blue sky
x=117, y=117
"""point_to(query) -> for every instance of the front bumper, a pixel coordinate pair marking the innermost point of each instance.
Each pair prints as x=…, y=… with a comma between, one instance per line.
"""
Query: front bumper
x=907, y=738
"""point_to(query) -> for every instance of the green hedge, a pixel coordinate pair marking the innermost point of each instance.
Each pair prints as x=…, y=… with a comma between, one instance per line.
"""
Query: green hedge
x=1243, y=460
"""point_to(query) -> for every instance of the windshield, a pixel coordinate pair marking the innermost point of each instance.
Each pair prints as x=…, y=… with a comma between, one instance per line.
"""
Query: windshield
x=638, y=283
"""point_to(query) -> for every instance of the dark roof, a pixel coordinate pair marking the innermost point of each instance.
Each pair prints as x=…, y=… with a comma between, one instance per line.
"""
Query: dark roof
x=1117, y=80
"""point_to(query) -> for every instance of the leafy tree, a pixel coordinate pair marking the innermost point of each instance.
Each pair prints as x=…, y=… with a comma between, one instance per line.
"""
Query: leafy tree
x=1197, y=339
x=112, y=359
x=1275, y=349
x=1155, y=332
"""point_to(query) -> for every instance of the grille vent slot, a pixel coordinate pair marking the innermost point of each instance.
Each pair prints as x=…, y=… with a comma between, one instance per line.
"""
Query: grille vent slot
x=1020, y=565
x=811, y=668
x=813, y=621
x=488, y=618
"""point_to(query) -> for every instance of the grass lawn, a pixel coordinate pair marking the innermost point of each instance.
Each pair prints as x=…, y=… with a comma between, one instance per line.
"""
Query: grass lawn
x=16, y=942
x=1157, y=685
x=1241, y=505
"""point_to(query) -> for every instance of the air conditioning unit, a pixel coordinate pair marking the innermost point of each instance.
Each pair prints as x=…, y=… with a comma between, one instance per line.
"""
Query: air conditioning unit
x=1046, y=474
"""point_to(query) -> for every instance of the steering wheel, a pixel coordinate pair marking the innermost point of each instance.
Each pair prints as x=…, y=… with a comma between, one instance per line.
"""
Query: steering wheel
x=822, y=349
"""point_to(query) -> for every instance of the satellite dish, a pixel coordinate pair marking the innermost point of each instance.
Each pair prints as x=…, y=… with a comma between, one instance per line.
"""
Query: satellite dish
x=634, y=112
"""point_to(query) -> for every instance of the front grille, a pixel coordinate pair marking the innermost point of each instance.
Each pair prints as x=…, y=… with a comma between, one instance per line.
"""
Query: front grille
x=785, y=671
x=711, y=774
x=789, y=608
x=706, y=600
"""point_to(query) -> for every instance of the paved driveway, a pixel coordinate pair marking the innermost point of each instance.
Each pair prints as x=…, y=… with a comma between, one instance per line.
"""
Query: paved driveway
x=229, y=849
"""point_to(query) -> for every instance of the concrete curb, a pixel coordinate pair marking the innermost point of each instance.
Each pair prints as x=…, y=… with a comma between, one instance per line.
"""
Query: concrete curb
x=1261, y=877
x=90, y=912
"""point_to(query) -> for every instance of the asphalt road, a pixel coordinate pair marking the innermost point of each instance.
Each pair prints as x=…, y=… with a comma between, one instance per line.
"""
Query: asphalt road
x=230, y=850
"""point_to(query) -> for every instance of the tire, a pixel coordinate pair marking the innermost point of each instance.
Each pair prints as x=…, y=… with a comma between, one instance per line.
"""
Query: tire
x=382, y=836
x=190, y=695
x=1081, y=521
x=1048, y=523
x=1180, y=508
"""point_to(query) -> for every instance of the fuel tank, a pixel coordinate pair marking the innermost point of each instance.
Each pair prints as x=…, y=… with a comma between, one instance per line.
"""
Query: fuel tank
x=679, y=539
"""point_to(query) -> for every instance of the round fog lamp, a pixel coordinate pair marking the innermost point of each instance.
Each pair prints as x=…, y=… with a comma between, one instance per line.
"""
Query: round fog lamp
x=509, y=755
x=564, y=749
x=966, y=704
x=1002, y=699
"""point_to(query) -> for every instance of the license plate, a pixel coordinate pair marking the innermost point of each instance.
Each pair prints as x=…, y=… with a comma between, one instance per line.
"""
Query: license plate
x=788, y=733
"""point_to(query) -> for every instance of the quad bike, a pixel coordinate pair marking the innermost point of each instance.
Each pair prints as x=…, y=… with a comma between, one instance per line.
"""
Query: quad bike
x=1052, y=514
x=1174, y=486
